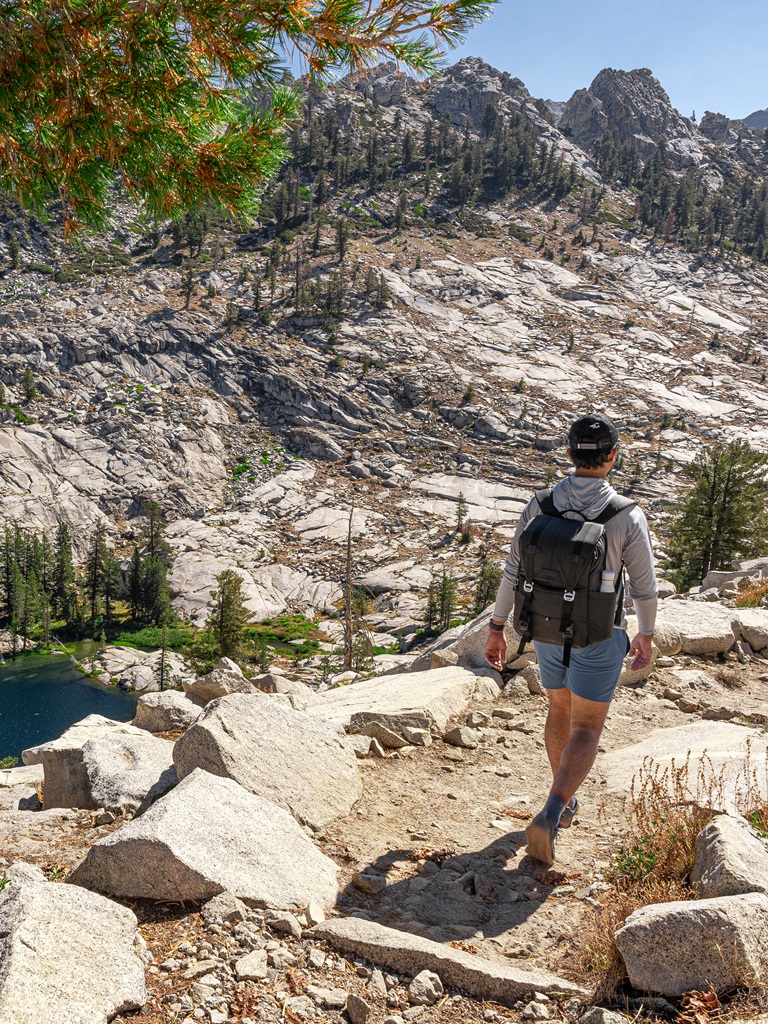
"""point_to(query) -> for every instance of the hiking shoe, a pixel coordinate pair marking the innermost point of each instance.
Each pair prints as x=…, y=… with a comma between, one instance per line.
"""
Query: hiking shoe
x=540, y=836
x=569, y=813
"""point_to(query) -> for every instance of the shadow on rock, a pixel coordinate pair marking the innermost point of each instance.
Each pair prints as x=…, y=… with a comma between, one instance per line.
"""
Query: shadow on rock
x=448, y=896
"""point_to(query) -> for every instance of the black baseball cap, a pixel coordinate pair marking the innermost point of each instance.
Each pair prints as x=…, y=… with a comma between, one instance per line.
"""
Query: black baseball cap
x=593, y=433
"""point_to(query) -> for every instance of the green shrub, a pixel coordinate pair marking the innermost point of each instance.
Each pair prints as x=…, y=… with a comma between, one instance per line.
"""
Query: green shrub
x=515, y=231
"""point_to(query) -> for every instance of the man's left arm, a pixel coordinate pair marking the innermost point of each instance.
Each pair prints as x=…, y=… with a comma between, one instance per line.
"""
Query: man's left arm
x=643, y=588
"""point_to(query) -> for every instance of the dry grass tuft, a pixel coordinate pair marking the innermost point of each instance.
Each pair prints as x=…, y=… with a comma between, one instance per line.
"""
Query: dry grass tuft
x=596, y=954
x=751, y=592
x=666, y=810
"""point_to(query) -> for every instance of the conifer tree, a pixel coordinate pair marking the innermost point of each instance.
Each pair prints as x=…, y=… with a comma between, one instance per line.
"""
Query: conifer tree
x=95, y=570
x=18, y=603
x=227, y=615
x=64, y=594
x=178, y=101
x=447, y=593
x=488, y=581
x=154, y=591
x=28, y=382
x=112, y=583
x=135, y=589
x=724, y=512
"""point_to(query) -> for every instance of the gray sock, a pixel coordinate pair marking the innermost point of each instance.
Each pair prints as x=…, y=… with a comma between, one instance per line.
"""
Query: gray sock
x=553, y=808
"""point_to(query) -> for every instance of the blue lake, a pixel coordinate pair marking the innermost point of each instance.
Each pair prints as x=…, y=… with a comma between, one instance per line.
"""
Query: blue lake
x=42, y=695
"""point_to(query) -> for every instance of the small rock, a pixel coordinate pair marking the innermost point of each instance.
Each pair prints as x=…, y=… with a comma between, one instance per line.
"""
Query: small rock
x=360, y=744
x=252, y=967
x=599, y=1015
x=425, y=989
x=687, y=706
x=281, y=958
x=388, y=739
x=461, y=736
x=302, y=1006
x=718, y=714
x=413, y=1012
x=328, y=998
x=536, y=1011
x=284, y=923
x=358, y=1009
x=225, y=907
x=418, y=737
x=315, y=913
x=368, y=882
x=376, y=985
x=531, y=676
x=478, y=719
x=316, y=959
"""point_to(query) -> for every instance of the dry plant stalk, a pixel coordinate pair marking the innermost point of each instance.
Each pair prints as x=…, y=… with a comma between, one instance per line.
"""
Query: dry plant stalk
x=752, y=790
x=666, y=810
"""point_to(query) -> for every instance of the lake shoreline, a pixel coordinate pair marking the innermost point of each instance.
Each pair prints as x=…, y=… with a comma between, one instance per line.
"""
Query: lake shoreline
x=43, y=694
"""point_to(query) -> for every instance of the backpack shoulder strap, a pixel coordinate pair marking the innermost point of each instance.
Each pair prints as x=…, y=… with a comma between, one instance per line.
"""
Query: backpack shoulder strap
x=616, y=505
x=546, y=502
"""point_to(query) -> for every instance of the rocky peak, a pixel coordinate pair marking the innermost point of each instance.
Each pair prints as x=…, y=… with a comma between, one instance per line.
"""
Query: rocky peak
x=757, y=121
x=631, y=104
x=385, y=84
x=741, y=143
x=719, y=128
x=466, y=89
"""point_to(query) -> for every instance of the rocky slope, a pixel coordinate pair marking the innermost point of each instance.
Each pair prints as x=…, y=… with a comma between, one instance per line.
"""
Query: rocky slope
x=257, y=433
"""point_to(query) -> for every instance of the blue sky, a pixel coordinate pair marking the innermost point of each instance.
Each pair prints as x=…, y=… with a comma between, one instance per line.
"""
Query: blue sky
x=707, y=54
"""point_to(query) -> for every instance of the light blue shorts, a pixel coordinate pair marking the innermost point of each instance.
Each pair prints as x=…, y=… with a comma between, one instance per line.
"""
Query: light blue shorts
x=593, y=672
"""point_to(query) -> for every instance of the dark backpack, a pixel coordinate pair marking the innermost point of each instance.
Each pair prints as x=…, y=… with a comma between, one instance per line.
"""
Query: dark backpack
x=558, y=598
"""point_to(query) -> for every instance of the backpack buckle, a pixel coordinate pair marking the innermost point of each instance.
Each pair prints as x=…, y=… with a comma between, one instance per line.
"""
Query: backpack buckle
x=569, y=595
x=528, y=587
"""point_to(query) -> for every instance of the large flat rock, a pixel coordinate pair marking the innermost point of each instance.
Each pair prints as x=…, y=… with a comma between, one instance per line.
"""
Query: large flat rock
x=671, y=948
x=423, y=700
x=159, y=712
x=725, y=745
x=754, y=626
x=704, y=628
x=409, y=954
x=98, y=762
x=283, y=755
x=67, y=955
x=729, y=859
x=204, y=837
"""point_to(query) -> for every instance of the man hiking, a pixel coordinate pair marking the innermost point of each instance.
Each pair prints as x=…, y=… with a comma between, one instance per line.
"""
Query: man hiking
x=580, y=676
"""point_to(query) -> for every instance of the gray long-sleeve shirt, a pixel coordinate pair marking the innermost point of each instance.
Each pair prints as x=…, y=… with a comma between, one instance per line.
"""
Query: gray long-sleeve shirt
x=628, y=541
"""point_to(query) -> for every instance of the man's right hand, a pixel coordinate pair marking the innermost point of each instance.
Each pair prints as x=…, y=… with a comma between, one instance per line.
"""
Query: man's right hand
x=496, y=650
x=641, y=650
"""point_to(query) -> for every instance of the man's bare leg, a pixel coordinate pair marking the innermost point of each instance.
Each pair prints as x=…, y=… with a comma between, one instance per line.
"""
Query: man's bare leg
x=557, y=731
x=578, y=755
x=570, y=762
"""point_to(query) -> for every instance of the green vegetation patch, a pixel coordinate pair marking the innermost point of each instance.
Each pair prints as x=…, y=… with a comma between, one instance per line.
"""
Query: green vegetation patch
x=292, y=635
x=149, y=638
